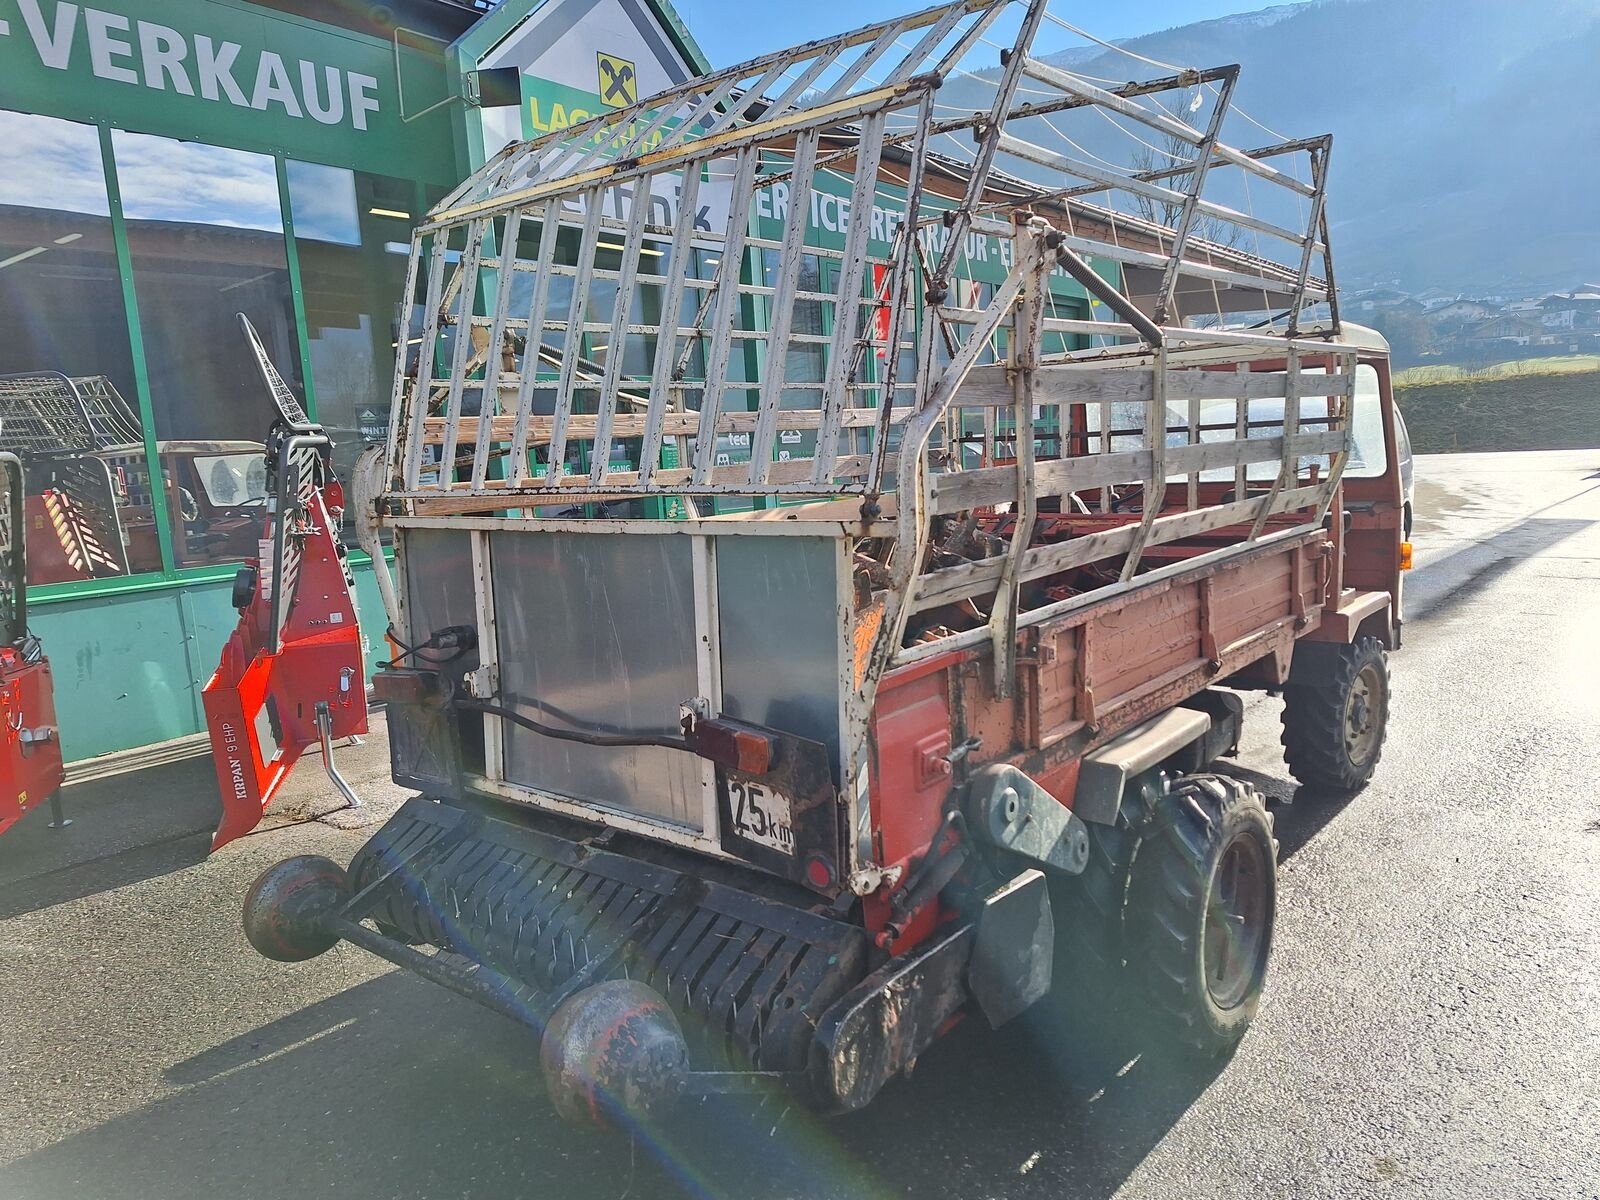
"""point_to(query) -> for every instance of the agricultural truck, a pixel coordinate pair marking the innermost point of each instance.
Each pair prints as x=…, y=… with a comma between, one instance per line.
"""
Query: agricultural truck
x=780, y=688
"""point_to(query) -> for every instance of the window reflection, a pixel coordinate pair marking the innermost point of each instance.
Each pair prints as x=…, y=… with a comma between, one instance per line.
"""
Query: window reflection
x=206, y=238
x=71, y=392
x=352, y=234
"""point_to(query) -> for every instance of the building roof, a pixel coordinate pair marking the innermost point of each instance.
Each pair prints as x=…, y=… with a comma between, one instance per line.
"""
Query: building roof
x=497, y=25
x=443, y=19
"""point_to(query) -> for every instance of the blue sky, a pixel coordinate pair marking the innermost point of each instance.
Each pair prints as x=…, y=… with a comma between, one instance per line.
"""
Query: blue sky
x=731, y=31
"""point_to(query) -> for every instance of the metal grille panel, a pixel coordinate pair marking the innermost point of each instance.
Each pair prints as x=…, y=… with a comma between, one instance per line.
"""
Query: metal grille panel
x=750, y=975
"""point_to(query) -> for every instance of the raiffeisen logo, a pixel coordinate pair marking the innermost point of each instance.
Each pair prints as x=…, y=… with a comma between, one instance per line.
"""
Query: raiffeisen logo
x=121, y=49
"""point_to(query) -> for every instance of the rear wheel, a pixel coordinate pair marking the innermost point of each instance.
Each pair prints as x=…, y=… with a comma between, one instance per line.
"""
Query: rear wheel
x=1201, y=907
x=1333, y=731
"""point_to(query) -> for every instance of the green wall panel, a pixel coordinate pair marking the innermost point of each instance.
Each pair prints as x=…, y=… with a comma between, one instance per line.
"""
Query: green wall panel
x=119, y=665
x=129, y=670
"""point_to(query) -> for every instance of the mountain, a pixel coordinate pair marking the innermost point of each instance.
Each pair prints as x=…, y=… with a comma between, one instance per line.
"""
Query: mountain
x=1466, y=132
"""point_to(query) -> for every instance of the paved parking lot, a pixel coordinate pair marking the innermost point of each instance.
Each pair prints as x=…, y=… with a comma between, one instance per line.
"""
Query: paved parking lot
x=1431, y=1025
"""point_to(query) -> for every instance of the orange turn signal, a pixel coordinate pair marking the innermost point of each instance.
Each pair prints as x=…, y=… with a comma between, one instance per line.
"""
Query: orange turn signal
x=733, y=744
x=1405, y=556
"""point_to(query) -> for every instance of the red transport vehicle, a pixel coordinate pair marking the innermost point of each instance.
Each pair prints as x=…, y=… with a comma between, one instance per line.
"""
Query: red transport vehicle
x=773, y=782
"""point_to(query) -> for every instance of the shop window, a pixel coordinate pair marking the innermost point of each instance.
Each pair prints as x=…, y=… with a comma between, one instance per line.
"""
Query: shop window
x=68, y=403
x=352, y=236
x=205, y=233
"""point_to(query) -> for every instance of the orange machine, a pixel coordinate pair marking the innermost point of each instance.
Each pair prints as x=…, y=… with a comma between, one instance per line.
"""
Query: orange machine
x=30, y=752
x=291, y=674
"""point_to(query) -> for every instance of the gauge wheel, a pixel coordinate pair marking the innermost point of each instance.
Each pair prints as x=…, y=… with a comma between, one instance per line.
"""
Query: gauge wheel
x=1200, y=909
x=1333, y=732
x=285, y=907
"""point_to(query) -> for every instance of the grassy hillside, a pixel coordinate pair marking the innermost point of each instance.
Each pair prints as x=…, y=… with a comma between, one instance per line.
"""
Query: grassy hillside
x=1564, y=364
x=1511, y=412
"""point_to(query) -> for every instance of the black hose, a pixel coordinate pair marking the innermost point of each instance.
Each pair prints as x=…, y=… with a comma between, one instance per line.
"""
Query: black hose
x=666, y=741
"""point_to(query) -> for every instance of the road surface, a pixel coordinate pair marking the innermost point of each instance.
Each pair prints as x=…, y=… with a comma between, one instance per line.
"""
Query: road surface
x=1431, y=1025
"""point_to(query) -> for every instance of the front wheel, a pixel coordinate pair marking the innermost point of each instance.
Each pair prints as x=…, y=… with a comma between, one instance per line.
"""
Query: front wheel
x=1201, y=907
x=1333, y=730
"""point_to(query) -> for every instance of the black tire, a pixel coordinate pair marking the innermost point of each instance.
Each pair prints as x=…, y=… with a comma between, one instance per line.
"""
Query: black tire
x=1090, y=907
x=1333, y=731
x=1201, y=904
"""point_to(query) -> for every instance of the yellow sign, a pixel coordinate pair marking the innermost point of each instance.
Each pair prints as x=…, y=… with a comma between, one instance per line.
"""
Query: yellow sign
x=619, y=82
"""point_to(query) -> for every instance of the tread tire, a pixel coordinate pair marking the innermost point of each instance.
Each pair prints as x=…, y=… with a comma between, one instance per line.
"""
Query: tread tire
x=1314, y=721
x=1174, y=876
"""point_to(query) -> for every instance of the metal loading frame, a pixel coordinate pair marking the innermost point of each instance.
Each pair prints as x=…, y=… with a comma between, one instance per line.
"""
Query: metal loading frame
x=507, y=427
x=853, y=100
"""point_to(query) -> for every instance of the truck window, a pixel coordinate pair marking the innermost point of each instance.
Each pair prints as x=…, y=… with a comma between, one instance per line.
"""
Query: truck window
x=232, y=479
x=1368, y=458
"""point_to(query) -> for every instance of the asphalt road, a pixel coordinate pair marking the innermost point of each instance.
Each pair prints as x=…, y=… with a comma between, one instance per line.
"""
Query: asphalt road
x=1431, y=1025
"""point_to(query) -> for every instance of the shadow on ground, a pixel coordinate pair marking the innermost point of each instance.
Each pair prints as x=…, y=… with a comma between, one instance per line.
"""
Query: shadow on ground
x=125, y=828
x=344, y=1099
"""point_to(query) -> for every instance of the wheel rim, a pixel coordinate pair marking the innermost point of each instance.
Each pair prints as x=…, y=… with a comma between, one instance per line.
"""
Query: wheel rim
x=1236, y=922
x=1363, y=715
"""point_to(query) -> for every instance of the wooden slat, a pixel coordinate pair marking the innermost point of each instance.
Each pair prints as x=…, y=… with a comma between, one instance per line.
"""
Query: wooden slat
x=841, y=351
x=988, y=387
x=489, y=404
x=673, y=424
x=973, y=579
x=679, y=261
x=549, y=233
x=621, y=308
x=792, y=477
x=573, y=343
x=425, y=352
x=988, y=486
x=775, y=368
x=724, y=308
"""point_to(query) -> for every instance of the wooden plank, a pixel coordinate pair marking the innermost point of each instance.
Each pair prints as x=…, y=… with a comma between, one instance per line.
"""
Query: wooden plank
x=679, y=262
x=987, y=387
x=430, y=334
x=972, y=579
x=775, y=368
x=571, y=346
x=792, y=477
x=724, y=301
x=489, y=402
x=958, y=491
x=549, y=233
x=621, y=309
x=673, y=424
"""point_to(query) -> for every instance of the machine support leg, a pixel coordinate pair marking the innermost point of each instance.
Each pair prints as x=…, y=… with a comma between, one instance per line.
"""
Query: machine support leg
x=325, y=731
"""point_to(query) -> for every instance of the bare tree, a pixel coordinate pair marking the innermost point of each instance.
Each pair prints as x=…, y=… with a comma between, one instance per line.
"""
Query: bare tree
x=1175, y=152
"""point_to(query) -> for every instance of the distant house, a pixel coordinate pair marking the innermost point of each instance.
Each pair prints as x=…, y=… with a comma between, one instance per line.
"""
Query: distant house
x=1572, y=310
x=1506, y=328
x=1463, y=311
x=1375, y=299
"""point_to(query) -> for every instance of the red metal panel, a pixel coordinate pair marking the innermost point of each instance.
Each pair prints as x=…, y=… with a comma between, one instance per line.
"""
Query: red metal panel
x=260, y=707
x=30, y=754
x=909, y=780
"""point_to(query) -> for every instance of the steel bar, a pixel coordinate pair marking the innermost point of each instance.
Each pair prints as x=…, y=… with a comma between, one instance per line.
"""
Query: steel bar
x=489, y=404
x=549, y=233
x=616, y=348
x=724, y=302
